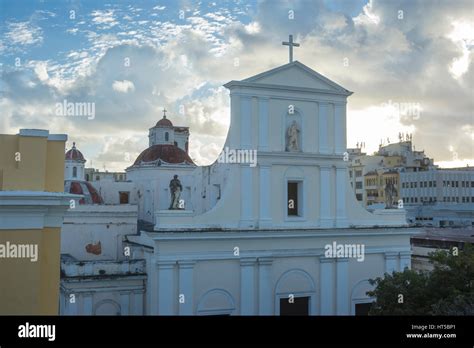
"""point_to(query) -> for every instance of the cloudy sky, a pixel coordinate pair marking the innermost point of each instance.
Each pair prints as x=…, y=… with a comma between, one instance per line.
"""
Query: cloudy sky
x=409, y=64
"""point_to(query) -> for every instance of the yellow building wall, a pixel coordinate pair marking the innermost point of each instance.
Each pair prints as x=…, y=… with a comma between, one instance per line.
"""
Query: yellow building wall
x=29, y=172
x=20, y=277
x=54, y=178
x=31, y=287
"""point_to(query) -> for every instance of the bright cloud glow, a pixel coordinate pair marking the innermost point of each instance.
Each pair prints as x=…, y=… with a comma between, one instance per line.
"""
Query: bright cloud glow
x=124, y=86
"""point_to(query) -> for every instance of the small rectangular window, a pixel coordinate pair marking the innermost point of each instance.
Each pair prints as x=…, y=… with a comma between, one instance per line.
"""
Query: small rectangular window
x=299, y=306
x=124, y=197
x=362, y=309
x=293, y=199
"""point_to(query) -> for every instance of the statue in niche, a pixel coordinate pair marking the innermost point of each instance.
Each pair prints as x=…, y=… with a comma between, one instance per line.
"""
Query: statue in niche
x=390, y=194
x=175, y=190
x=292, y=136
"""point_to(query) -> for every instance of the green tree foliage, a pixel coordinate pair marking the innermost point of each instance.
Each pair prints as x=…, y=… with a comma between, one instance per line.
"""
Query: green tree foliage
x=447, y=290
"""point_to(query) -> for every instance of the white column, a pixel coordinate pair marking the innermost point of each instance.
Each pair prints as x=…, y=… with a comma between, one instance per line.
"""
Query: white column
x=186, y=273
x=341, y=181
x=246, y=202
x=405, y=260
x=323, y=127
x=391, y=262
x=263, y=124
x=137, y=303
x=245, y=122
x=326, y=281
x=151, y=286
x=62, y=303
x=340, y=128
x=166, y=298
x=71, y=308
x=325, y=199
x=125, y=302
x=247, y=286
x=265, y=288
x=265, y=196
x=86, y=303
x=342, y=287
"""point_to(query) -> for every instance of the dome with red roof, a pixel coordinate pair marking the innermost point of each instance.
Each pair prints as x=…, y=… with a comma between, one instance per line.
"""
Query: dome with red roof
x=164, y=122
x=164, y=153
x=74, y=154
x=91, y=196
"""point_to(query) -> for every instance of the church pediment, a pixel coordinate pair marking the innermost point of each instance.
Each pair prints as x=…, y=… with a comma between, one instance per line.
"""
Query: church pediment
x=296, y=75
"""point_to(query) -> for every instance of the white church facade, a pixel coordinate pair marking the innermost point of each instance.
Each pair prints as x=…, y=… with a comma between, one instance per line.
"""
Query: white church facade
x=246, y=239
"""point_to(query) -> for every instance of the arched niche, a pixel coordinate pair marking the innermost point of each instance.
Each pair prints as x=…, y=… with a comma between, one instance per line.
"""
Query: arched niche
x=216, y=302
x=107, y=307
x=293, y=115
x=359, y=296
x=298, y=283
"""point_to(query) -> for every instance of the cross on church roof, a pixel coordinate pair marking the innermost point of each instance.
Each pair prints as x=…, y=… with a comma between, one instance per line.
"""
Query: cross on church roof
x=290, y=43
x=164, y=112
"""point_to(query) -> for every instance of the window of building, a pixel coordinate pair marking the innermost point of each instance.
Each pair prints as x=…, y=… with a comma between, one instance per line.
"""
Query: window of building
x=358, y=184
x=74, y=172
x=472, y=199
x=431, y=183
x=434, y=183
x=358, y=173
x=299, y=306
x=293, y=198
x=362, y=309
x=175, y=143
x=97, y=178
x=456, y=183
x=350, y=173
x=472, y=183
x=359, y=197
x=124, y=197
x=167, y=136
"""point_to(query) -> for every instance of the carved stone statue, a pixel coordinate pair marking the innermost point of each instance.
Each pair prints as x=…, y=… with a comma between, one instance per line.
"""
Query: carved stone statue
x=292, y=137
x=175, y=190
x=390, y=194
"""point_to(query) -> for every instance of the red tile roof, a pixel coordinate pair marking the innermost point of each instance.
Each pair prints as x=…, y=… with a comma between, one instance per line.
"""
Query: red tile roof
x=166, y=153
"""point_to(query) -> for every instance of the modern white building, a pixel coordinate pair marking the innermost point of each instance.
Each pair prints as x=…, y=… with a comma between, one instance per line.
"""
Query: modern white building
x=439, y=197
x=262, y=247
